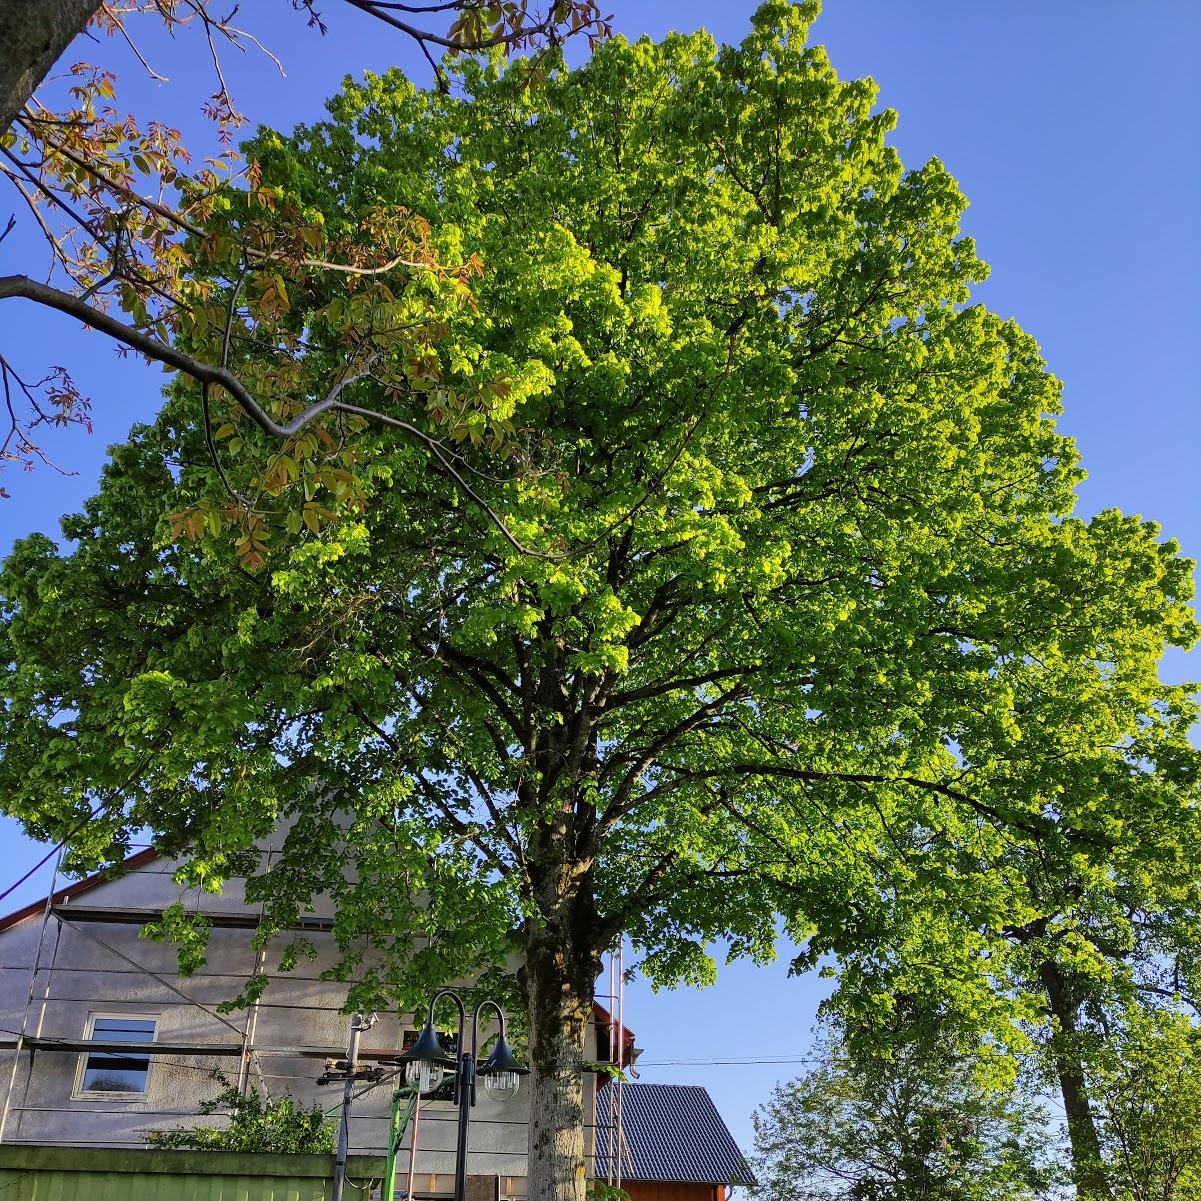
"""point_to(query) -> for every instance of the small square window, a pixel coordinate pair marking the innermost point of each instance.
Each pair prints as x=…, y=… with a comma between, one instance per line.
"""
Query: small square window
x=115, y=1074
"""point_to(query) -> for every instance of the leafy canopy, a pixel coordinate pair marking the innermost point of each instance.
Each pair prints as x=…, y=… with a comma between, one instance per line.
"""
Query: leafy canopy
x=798, y=512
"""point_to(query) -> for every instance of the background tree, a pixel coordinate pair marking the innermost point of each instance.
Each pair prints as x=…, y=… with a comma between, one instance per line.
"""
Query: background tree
x=786, y=522
x=921, y=1121
x=1054, y=931
x=1146, y=1079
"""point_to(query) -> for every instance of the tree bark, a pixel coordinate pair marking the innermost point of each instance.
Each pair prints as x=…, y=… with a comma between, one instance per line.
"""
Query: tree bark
x=34, y=34
x=559, y=998
x=1088, y=1169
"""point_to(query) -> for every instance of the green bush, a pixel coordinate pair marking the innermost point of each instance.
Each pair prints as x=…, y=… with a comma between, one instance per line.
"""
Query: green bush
x=254, y=1125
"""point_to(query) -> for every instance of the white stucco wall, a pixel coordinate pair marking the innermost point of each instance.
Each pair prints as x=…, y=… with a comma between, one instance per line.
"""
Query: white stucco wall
x=78, y=977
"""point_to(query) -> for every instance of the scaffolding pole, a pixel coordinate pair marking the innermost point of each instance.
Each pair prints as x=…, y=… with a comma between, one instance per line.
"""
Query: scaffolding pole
x=615, y=1148
x=33, y=976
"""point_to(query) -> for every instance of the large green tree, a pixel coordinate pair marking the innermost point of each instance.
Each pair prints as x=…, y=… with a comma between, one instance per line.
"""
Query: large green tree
x=713, y=541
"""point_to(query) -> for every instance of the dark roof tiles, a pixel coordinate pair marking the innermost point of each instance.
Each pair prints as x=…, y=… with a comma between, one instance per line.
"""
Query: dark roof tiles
x=673, y=1132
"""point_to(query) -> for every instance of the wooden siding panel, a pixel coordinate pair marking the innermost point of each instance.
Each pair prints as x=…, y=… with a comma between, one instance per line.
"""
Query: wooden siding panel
x=672, y=1190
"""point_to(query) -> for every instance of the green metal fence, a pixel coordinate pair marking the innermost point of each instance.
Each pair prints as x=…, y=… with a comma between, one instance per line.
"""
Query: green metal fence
x=29, y=1173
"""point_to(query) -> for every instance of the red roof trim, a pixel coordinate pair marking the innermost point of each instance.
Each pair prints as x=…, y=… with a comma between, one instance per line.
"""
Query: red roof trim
x=604, y=1019
x=71, y=891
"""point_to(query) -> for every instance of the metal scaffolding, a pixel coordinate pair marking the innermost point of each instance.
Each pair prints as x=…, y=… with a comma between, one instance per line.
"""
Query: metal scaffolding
x=616, y=1151
x=57, y=910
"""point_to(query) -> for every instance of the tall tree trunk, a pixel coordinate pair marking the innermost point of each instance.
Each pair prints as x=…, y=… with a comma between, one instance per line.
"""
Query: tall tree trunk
x=33, y=35
x=1088, y=1170
x=563, y=938
x=559, y=999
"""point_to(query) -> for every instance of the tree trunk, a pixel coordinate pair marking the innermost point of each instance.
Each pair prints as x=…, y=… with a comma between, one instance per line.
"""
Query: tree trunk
x=34, y=34
x=559, y=999
x=1088, y=1169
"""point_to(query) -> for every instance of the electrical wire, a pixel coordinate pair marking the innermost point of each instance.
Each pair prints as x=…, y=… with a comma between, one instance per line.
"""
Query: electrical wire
x=721, y=1063
x=54, y=850
x=36, y=867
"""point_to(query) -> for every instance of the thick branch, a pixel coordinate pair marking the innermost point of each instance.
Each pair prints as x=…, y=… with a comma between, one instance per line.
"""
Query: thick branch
x=34, y=33
x=381, y=13
x=479, y=674
x=209, y=373
x=780, y=770
x=619, y=699
x=623, y=796
x=637, y=899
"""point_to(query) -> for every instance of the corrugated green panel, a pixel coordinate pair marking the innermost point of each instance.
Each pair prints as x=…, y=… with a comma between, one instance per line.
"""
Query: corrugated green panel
x=41, y=1173
x=14, y=1186
x=125, y=1188
x=51, y=1185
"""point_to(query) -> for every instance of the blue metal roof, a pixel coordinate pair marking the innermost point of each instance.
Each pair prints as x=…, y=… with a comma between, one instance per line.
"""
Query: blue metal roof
x=673, y=1132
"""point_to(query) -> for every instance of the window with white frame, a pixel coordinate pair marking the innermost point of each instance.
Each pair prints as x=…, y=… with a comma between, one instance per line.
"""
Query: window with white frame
x=115, y=1074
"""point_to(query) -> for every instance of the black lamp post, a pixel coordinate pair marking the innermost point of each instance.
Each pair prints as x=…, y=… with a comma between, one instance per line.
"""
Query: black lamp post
x=425, y=1062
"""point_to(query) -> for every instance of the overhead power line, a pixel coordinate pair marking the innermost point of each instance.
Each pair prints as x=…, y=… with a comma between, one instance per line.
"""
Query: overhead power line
x=41, y=863
x=711, y=1063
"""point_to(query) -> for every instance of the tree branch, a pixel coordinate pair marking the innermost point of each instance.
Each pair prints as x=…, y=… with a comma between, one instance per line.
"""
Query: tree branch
x=934, y=786
x=208, y=373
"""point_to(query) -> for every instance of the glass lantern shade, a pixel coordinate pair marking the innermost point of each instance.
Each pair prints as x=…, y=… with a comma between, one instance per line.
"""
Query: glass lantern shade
x=501, y=1073
x=501, y=1086
x=425, y=1062
x=425, y=1075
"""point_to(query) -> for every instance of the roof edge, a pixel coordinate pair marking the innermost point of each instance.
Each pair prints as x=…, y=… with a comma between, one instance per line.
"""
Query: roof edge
x=70, y=891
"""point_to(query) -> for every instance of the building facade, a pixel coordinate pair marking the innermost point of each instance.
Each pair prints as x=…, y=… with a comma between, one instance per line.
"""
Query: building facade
x=102, y=1042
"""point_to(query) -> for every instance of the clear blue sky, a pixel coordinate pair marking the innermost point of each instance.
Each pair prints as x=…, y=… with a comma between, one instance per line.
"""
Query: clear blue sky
x=1073, y=129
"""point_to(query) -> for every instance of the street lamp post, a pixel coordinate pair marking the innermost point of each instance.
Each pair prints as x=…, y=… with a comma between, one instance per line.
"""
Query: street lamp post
x=425, y=1062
